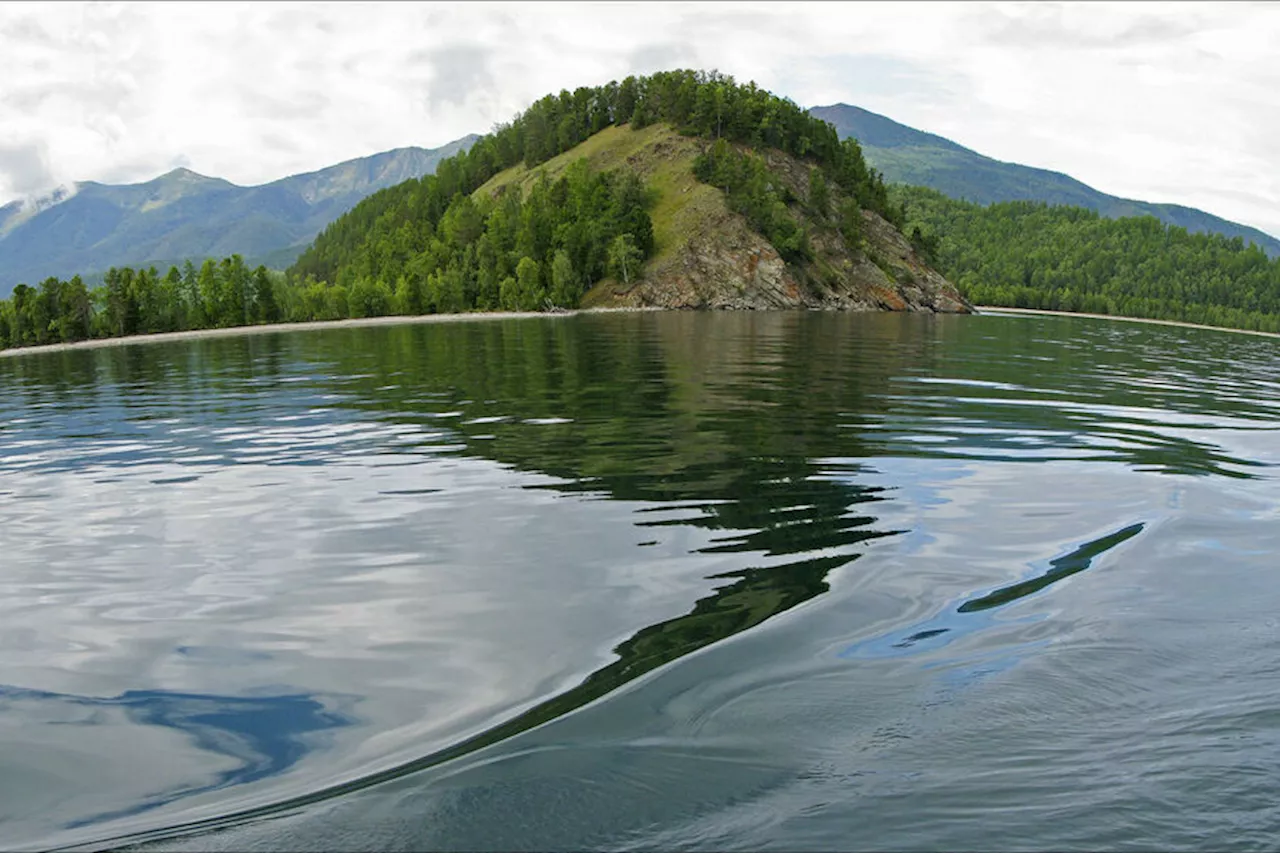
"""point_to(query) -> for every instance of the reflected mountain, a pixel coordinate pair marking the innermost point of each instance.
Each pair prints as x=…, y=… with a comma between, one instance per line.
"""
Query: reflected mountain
x=627, y=412
x=752, y=427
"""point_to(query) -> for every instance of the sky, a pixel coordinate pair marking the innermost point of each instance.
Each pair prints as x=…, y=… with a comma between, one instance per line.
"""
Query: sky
x=1169, y=102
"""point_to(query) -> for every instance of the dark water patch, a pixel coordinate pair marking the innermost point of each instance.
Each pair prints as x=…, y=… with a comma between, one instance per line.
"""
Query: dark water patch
x=264, y=735
x=1062, y=567
x=953, y=624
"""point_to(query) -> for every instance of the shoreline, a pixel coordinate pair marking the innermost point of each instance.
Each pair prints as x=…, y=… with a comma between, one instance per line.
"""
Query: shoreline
x=410, y=319
x=995, y=309
x=309, y=326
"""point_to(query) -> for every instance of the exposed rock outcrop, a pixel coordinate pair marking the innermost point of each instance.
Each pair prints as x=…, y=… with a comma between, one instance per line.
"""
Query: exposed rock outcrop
x=708, y=256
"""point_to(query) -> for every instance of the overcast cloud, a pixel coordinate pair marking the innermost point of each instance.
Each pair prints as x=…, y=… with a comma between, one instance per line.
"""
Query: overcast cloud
x=1173, y=103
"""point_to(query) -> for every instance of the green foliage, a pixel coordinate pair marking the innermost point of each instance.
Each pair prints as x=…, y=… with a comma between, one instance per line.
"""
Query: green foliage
x=624, y=257
x=909, y=156
x=750, y=190
x=130, y=302
x=819, y=194
x=1032, y=255
x=529, y=291
x=461, y=262
x=383, y=235
x=566, y=288
x=924, y=244
x=852, y=226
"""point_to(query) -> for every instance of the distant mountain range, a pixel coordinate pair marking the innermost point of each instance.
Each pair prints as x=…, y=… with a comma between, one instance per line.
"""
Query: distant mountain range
x=909, y=156
x=90, y=227
x=181, y=215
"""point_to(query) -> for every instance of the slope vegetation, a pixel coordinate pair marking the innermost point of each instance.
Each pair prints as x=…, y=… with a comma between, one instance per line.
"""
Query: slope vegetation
x=706, y=255
x=679, y=190
x=909, y=156
x=710, y=195
x=1023, y=254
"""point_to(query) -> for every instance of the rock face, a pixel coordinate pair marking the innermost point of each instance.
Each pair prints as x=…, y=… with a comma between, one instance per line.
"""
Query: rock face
x=720, y=262
x=733, y=267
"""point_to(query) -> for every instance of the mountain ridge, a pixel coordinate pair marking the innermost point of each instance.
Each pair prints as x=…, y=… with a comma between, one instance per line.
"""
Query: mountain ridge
x=907, y=155
x=183, y=214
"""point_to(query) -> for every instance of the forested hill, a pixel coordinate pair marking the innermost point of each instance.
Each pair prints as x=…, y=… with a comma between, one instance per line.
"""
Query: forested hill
x=683, y=189
x=183, y=215
x=909, y=156
x=1032, y=255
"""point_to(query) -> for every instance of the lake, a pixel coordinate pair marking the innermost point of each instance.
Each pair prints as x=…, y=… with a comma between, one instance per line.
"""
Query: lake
x=792, y=581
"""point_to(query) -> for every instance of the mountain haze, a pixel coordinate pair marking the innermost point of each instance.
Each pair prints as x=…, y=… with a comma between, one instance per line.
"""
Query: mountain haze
x=909, y=156
x=183, y=215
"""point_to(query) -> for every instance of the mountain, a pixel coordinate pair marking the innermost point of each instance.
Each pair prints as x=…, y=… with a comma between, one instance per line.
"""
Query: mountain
x=709, y=255
x=909, y=156
x=183, y=215
x=678, y=190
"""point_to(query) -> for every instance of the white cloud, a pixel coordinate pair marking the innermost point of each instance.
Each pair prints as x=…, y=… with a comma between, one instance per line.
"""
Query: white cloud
x=1169, y=103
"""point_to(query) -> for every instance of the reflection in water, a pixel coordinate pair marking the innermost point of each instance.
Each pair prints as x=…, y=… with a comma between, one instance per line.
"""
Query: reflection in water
x=1059, y=568
x=946, y=623
x=740, y=441
x=265, y=735
x=635, y=417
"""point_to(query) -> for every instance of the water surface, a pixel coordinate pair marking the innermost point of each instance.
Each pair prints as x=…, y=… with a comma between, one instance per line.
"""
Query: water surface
x=721, y=581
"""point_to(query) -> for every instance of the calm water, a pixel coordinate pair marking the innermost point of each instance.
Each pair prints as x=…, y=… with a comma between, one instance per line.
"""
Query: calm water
x=720, y=581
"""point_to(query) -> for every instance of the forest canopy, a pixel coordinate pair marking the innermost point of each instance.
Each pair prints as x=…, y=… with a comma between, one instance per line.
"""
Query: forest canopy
x=394, y=232
x=1025, y=254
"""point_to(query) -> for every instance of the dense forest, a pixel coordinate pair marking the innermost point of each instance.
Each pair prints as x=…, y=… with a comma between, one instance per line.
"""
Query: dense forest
x=129, y=302
x=1031, y=255
x=400, y=231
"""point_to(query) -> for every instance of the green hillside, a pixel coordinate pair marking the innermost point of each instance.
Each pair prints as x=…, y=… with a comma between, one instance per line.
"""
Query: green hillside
x=909, y=156
x=550, y=206
x=682, y=189
x=1024, y=254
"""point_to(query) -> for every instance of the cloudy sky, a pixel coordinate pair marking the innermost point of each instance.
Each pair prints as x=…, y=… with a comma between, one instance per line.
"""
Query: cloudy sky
x=1176, y=102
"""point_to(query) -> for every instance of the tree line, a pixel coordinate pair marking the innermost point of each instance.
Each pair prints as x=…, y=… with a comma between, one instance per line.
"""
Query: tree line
x=217, y=294
x=1023, y=254
x=587, y=224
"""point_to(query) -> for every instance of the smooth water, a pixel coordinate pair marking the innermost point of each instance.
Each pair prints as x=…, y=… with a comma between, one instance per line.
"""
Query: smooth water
x=645, y=581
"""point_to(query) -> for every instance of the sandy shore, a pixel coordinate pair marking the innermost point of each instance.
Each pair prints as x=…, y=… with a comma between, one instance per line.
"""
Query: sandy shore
x=317, y=325
x=485, y=316
x=992, y=309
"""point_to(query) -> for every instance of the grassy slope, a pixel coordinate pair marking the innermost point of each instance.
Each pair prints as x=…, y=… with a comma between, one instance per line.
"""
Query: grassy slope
x=687, y=214
x=662, y=158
